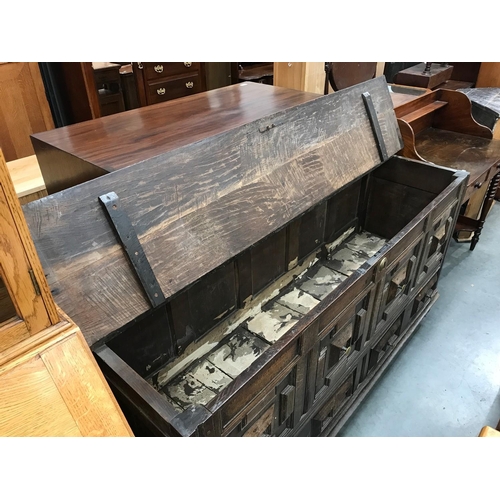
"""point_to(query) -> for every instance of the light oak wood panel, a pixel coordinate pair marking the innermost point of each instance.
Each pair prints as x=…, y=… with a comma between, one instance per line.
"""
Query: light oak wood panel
x=24, y=108
x=31, y=405
x=83, y=389
x=306, y=76
x=27, y=179
x=488, y=431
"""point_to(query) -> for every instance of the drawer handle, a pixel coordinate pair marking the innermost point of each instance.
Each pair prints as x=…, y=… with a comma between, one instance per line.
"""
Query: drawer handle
x=477, y=185
x=189, y=85
x=188, y=65
x=382, y=264
x=160, y=91
x=159, y=68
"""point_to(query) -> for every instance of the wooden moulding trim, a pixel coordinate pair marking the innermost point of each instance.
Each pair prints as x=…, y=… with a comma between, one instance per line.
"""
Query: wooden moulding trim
x=409, y=150
x=457, y=116
x=133, y=386
x=34, y=345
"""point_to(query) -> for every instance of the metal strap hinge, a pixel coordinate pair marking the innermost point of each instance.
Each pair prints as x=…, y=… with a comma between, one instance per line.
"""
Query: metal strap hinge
x=36, y=286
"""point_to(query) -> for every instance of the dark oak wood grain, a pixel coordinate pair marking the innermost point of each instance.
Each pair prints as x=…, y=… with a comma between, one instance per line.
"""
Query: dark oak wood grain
x=293, y=263
x=210, y=200
x=77, y=153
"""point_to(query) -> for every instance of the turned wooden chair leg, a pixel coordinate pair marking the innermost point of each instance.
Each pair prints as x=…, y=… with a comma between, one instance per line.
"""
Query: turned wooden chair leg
x=488, y=201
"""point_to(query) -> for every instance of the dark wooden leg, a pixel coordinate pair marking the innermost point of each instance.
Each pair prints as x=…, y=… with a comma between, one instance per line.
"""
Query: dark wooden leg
x=490, y=195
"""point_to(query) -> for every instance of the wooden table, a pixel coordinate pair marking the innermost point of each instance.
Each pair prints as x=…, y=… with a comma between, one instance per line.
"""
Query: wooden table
x=71, y=155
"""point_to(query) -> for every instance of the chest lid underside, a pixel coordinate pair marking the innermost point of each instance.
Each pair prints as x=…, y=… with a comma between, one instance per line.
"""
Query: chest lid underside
x=198, y=206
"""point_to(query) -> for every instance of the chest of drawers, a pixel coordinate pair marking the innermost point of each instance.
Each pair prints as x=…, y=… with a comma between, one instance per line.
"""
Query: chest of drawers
x=163, y=81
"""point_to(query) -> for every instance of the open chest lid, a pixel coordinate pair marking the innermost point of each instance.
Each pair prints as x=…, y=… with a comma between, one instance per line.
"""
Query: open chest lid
x=194, y=208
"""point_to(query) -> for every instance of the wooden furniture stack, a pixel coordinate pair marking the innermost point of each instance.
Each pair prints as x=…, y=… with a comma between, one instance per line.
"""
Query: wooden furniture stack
x=255, y=281
x=108, y=87
x=438, y=127
x=163, y=81
x=50, y=384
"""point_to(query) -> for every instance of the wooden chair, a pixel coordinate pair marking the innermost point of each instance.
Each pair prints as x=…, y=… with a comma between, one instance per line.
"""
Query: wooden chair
x=341, y=75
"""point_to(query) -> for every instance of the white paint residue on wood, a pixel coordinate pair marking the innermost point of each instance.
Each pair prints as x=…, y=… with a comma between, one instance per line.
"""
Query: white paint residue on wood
x=330, y=247
x=322, y=282
x=299, y=301
x=186, y=390
x=271, y=325
x=210, y=376
x=170, y=372
x=238, y=353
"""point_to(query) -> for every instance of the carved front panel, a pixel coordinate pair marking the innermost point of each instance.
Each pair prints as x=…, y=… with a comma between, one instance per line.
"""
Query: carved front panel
x=397, y=284
x=340, y=345
x=334, y=405
x=435, y=244
x=274, y=414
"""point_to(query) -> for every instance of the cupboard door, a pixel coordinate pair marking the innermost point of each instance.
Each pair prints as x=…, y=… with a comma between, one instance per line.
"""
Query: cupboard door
x=30, y=307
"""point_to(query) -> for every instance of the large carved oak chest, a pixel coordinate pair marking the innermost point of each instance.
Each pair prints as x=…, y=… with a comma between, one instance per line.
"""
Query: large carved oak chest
x=259, y=281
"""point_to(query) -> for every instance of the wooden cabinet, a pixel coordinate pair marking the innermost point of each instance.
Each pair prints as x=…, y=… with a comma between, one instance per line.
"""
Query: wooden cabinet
x=259, y=281
x=438, y=127
x=164, y=81
x=50, y=384
x=24, y=109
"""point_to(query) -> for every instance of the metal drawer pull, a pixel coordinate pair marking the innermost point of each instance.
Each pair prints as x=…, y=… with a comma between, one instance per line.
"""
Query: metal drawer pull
x=188, y=65
x=189, y=85
x=160, y=91
x=159, y=68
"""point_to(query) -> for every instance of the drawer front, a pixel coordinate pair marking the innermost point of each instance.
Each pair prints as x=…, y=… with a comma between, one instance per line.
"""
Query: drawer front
x=173, y=89
x=163, y=70
x=111, y=75
x=478, y=184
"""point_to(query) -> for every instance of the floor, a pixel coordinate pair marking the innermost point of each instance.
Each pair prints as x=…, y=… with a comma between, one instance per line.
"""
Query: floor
x=446, y=381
